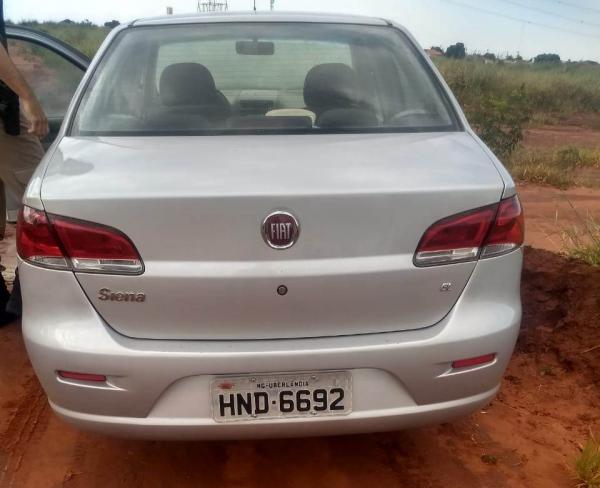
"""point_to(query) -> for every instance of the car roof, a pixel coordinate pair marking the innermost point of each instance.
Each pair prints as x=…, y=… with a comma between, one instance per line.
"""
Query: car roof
x=219, y=17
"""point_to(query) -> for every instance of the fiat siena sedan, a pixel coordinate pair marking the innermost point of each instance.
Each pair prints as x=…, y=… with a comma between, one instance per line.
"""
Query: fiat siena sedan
x=267, y=225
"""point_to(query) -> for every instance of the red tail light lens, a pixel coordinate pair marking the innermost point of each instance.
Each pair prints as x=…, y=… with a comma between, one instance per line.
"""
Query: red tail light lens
x=508, y=232
x=96, y=248
x=486, y=232
x=455, y=239
x=36, y=243
x=64, y=243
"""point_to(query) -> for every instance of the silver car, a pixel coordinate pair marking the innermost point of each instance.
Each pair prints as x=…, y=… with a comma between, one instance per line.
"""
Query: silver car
x=260, y=225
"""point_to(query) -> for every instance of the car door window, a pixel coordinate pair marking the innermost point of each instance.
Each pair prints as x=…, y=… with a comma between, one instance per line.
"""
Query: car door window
x=52, y=78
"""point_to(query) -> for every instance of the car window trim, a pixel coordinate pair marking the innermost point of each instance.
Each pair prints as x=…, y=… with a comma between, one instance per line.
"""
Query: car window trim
x=274, y=132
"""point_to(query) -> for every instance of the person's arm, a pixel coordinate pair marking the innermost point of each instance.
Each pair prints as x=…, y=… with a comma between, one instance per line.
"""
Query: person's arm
x=30, y=106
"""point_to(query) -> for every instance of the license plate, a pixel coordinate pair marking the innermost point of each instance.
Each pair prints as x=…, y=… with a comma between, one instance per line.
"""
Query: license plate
x=319, y=394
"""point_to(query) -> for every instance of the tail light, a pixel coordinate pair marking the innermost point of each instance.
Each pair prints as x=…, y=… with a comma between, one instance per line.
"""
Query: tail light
x=56, y=242
x=508, y=231
x=484, y=232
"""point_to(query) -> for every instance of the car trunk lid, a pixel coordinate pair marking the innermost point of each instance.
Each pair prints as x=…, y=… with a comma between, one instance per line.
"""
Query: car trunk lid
x=193, y=207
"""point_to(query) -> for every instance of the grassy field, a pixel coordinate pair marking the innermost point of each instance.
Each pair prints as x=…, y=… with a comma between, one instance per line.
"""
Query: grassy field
x=83, y=36
x=549, y=91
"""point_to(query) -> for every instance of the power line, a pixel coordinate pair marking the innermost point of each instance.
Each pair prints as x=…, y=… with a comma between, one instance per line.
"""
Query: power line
x=549, y=12
x=574, y=5
x=510, y=17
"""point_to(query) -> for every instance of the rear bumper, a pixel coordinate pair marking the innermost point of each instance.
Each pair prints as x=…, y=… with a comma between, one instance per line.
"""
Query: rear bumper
x=167, y=428
x=159, y=389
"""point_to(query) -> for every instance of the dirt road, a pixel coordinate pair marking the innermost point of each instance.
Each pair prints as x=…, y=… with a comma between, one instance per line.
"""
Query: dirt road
x=551, y=213
x=528, y=437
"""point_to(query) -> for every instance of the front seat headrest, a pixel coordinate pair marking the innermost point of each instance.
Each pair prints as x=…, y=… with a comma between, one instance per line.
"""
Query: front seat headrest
x=331, y=86
x=188, y=84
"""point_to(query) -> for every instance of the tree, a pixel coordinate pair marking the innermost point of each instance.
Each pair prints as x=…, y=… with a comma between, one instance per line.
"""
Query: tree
x=437, y=49
x=547, y=58
x=456, y=51
x=112, y=24
x=489, y=56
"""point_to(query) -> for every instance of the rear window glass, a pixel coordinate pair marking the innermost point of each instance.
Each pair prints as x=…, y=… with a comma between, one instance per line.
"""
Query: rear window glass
x=261, y=78
x=285, y=69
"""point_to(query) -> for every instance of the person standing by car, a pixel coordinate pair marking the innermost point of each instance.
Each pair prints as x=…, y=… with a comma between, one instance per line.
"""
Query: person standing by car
x=22, y=124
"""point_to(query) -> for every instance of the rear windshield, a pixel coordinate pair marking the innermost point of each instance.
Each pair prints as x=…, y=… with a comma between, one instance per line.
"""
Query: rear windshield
x=262, y=78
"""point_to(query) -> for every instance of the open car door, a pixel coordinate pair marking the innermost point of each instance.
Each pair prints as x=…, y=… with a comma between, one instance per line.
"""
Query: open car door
x=53, y=69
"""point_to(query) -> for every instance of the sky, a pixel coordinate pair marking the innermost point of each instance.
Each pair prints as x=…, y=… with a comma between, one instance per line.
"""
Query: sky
x=570, y=28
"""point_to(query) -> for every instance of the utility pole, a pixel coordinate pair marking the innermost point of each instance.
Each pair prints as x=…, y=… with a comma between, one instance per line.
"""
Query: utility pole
x=212, y=6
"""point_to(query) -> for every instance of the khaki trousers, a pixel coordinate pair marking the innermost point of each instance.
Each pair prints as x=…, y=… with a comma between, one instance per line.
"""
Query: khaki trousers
x=19, y=156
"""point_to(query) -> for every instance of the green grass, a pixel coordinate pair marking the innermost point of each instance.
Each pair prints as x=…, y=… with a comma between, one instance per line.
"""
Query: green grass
x=590, y=254
x=587, y=465
x=551, y=89
x=557, y=167
x=582, y=241
x=83, y=36
x=584, y=244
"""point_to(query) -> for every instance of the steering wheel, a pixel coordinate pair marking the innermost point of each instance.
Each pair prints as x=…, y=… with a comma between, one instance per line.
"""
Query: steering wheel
x=408, y=113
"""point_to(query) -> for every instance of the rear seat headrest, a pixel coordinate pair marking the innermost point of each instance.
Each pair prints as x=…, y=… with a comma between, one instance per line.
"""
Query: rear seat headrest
x=187, y=84
x=329, y=86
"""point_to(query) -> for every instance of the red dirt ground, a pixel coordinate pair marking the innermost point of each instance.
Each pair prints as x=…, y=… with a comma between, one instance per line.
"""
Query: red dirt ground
x=529, y=435
x=550, y=213
x=551, y=135
x=582, y=130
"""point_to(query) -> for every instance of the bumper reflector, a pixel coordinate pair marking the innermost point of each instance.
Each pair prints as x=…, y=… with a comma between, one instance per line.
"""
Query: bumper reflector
x=466, y=363
x=70, y=375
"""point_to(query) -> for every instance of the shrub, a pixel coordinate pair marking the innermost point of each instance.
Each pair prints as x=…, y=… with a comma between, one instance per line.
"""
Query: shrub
x=567, y=158
x=584, y=244
x=587, y=465
x=547, y=58
x=457, y=51
x=500, y=120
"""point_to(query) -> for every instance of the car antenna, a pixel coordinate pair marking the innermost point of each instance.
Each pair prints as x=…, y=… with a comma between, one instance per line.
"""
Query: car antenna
x=255, y=5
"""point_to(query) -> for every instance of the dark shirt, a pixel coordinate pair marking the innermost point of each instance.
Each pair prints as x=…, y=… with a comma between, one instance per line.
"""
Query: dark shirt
x=2, y=26
x=9, y=102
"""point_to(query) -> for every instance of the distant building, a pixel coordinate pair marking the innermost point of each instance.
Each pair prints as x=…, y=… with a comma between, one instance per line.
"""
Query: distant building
x=434, y=53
